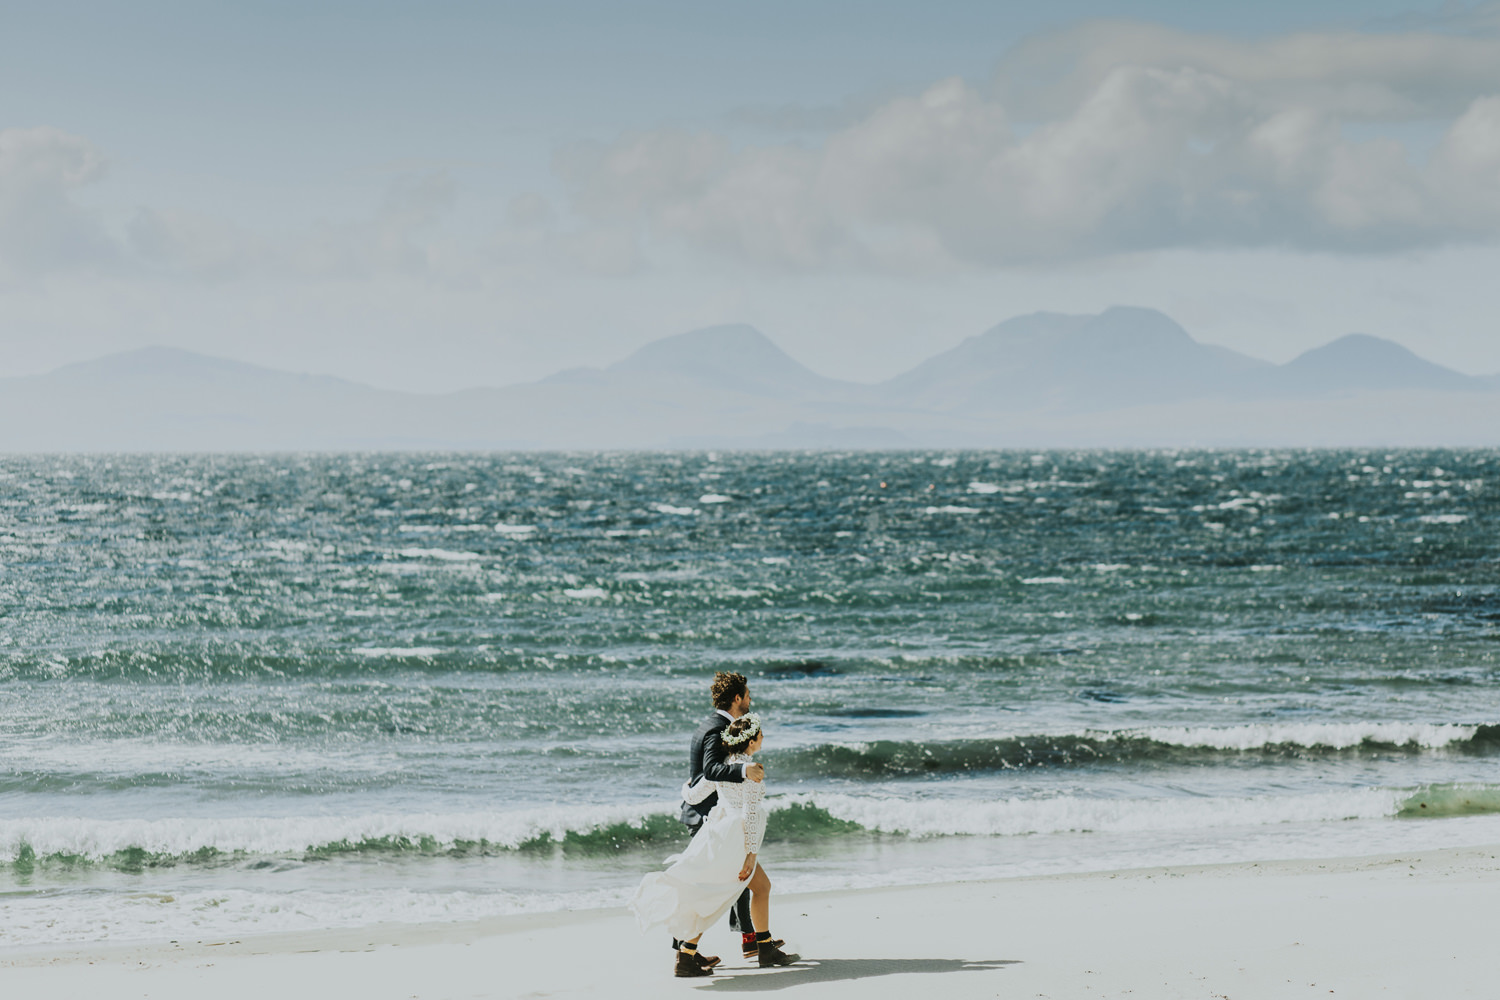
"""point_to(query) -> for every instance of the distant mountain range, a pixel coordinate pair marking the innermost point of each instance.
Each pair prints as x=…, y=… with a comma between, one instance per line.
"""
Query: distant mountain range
x=1127, y=377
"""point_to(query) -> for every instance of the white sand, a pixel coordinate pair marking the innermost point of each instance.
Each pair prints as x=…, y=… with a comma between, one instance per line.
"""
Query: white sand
x=1419, y=926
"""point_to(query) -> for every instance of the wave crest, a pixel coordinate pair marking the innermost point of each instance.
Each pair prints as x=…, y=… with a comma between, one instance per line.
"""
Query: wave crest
x=135, y=845
x=895, y=758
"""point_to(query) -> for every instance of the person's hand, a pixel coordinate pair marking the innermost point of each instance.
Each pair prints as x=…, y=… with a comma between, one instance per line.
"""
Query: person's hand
x=754, y=772
x=749, y=867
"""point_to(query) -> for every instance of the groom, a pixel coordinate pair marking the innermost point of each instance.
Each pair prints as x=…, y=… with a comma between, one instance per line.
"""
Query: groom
x=708, y=757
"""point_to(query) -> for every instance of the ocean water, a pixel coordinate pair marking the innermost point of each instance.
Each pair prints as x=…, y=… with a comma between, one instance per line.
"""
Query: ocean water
x=263, y=693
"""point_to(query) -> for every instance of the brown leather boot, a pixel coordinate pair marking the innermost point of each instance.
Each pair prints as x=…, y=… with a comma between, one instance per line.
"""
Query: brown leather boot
x=771, y=954
x=688, y=967
x=707, y=961
x=752, y=950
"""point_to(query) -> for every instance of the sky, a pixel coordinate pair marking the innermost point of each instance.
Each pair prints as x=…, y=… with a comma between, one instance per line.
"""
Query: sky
x=440, y=195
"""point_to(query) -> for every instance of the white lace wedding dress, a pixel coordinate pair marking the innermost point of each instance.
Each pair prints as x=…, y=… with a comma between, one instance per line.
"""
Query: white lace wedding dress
x=703, y=881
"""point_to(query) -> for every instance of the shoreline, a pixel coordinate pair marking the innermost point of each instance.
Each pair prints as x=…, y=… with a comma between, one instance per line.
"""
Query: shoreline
x=1410, y=924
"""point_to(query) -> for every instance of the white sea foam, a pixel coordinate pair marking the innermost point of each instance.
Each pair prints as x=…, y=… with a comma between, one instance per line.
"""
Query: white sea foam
x=714, y=498
x=396, y=651
x=1124, y=832
x=1443, y=518
x=666, y=508
x=191, y=913
x=445, y=555
x=515, y=530
x=1036, y=580
x=914, y=816
x=586, y=592
x=97, y=838
x=130, y=757
x=952, y=509
x=1336, y=735
x=1060, y=814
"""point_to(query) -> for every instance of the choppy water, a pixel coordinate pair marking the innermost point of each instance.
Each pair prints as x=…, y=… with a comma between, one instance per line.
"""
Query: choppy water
x=273, y=692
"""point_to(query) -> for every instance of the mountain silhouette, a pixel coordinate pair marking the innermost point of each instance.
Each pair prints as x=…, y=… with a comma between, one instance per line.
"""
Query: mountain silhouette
x=1128, y=377
x=1360, y=362
x=1056, y=362
x=734, y=357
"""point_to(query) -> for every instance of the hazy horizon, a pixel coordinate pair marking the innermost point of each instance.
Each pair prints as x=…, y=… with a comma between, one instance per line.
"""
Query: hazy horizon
x=610, y=363
x=1127, y=377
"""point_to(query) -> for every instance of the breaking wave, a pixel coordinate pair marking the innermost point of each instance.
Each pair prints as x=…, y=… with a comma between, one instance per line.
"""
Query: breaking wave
x=135, y=845
x=894, y=758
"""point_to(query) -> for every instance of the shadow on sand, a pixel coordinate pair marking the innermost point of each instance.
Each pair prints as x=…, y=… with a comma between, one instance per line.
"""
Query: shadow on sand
x=831, y=970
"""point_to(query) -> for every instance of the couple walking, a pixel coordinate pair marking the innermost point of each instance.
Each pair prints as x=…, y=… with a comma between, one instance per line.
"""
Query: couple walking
x=723, y=807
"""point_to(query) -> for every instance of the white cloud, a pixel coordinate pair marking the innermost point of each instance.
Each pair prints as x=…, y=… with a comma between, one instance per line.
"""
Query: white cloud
x=1098, y=140
x=396, y=239
x=1039, y=189
x=1467, y=163
x=1378, y=76
x=41, y=227
x=1160, y=140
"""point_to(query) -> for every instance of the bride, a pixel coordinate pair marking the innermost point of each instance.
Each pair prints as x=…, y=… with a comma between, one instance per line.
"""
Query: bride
x=704, y=880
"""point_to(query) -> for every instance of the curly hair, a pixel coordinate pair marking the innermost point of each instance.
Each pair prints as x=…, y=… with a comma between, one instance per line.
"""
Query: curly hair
x=727, y=687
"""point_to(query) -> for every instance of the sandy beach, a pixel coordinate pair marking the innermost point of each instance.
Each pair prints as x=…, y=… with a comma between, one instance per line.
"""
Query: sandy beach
x=1417, y=925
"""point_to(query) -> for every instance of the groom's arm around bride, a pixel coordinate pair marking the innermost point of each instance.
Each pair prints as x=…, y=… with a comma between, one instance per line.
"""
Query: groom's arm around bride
x=707, y=756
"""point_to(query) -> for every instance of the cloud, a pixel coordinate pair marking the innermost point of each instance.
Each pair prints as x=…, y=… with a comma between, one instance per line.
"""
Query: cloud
x=1368, y=76
x=1147, y=139
x=1104, y=139
x=395, y=239
x=41, y=227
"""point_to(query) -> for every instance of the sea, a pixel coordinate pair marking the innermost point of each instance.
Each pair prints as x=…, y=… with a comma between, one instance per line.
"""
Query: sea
x=243, y=694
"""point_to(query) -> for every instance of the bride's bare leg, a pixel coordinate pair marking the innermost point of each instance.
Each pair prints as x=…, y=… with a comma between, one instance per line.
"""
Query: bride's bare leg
x=769, y=949
x=760, y=899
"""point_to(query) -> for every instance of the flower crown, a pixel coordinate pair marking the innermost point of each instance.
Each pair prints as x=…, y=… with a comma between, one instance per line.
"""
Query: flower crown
x=744, y=735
